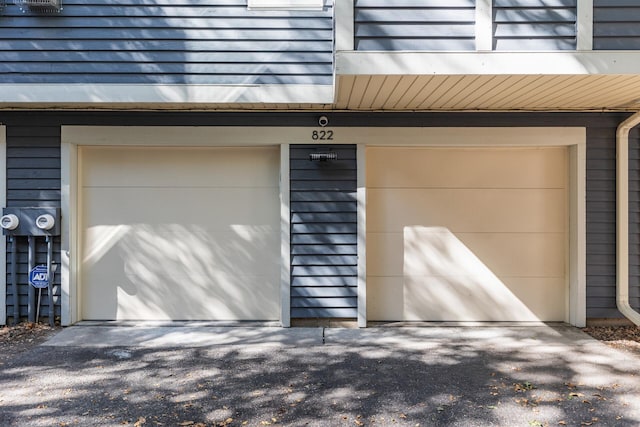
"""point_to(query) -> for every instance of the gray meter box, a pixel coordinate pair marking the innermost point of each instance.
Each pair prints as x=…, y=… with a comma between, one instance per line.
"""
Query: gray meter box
x=27, y=221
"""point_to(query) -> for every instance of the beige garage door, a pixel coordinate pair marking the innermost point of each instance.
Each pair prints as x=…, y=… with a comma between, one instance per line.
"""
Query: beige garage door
x=179, y=234
x=466, y=234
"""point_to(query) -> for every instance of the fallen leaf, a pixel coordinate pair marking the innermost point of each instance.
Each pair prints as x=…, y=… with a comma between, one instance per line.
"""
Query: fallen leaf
x=141, y=421
x=562, y=423
x=186, y=423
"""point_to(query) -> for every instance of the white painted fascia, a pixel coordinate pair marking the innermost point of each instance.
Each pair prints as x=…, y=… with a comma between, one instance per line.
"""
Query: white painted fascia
x=488, y=63
x=16, y=94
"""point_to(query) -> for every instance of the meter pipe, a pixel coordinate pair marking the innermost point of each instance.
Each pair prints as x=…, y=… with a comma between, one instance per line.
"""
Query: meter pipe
x=622, y=220
x=31, y=314
x=50, y=279
x=14, y=279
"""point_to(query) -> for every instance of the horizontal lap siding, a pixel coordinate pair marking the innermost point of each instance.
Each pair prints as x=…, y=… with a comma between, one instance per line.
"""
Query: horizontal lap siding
x=616, y=24
x=534, y=24
x=601, y=222
x=136, y=41
x=324, y=250
x=33, y=179
x=414, y=25
x=634, y=219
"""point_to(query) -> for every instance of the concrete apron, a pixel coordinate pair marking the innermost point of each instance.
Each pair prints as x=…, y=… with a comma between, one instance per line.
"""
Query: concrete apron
x=540, y=337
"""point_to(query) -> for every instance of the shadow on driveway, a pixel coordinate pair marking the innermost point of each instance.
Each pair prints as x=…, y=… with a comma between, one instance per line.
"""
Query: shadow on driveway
x=432, y=376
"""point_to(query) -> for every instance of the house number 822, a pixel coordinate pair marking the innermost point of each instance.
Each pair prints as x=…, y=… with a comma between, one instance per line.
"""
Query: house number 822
x=322, y=135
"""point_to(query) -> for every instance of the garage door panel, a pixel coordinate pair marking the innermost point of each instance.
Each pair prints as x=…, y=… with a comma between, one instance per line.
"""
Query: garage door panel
x=467, y=210
x=436, y=251
x=467, y=167
x=464, y=298
x=146, y=296
x=385, y=298
x=467, y=234
x=168, y=251
x=180, y=167
x=478, y=298
x=206, y=208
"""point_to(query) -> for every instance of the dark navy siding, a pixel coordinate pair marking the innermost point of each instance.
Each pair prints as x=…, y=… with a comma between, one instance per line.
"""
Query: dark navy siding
x=33, y=179
x=33, y=144
x=177, y=42
x=616, y=24
x=324, y=233
x=601, y=221
x=534, y=24
x=634, y=219
x=414, y=25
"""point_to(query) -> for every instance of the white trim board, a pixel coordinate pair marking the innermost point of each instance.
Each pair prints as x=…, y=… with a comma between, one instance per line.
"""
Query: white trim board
x=488, y=63
x=149, y=94
x=572, y=137
x=266, y=135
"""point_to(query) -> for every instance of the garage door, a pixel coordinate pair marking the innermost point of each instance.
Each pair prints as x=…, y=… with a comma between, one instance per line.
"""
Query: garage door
x=179, y=234
x=467, y=234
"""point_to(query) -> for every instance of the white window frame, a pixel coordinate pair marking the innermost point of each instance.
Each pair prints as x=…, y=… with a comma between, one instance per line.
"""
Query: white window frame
x=285, y=4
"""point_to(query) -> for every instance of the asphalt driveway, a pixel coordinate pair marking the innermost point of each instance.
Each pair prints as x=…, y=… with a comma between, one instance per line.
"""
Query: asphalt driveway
x=256, y=376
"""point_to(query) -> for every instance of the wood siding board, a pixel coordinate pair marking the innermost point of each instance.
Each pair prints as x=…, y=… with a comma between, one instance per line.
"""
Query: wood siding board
x=33, y=179
x=420, y=25
x=323, y=233
x=615, y=25
x=168, y=43
x=534, y=25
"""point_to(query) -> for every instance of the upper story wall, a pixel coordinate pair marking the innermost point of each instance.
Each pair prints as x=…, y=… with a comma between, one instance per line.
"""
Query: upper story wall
x=166, y=42
x=498, y=25
x=534, y=24
x=414, y=24
x=616, y=24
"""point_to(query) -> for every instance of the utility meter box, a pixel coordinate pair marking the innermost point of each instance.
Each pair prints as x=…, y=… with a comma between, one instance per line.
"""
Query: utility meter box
x=30, y=221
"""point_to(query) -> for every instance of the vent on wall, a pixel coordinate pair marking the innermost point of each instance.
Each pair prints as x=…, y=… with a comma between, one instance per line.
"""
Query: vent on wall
x=41, y=6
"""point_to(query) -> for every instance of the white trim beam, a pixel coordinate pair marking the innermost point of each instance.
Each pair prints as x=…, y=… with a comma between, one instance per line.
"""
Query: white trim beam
x=173, y=94
x=69, y=246
x=361, y=196
x=344, y=23
x=584, y=25
x=285, y=239
x=488, y=63
x=484, y=25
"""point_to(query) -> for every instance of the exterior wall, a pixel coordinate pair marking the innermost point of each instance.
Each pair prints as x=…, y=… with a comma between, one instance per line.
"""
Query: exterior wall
x=414, y=25
x=33, y=179
x=204, y=42
x=30, y=133
x=616, y=24
x=324, y=250
x=534, y=25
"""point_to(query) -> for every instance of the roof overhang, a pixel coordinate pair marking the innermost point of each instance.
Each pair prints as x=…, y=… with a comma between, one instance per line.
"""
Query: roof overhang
x=492, y=81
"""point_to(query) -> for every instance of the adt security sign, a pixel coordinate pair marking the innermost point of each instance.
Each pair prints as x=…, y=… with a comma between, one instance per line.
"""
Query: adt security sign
x=38, y=277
